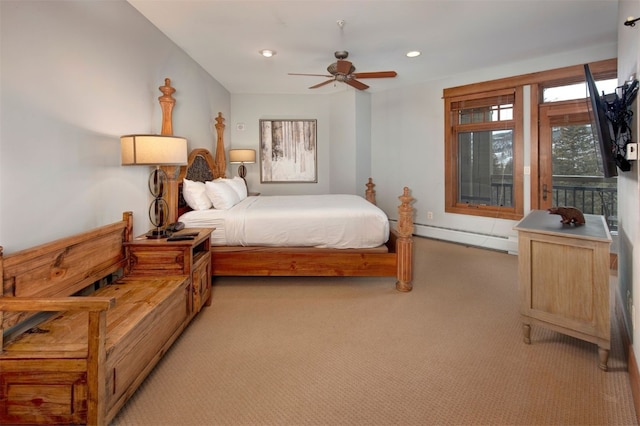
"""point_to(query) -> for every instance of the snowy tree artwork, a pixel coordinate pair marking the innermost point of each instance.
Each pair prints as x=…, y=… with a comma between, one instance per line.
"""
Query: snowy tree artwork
x=288, y=151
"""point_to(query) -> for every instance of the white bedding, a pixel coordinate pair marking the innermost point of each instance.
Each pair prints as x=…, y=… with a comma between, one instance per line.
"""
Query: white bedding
x=324, y=221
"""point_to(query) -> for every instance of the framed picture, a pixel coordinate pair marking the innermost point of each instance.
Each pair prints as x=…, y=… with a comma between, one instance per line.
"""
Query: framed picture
x=288, y=151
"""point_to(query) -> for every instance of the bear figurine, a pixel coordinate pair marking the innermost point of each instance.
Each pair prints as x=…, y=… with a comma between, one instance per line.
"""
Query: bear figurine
x=569, y=215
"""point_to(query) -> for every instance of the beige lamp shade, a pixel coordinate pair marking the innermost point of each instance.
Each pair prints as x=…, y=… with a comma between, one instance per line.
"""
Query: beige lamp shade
x=153, y=150
x=238, y=156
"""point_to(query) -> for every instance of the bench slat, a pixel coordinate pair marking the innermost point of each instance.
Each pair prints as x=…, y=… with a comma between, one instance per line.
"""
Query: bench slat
x=67, y=333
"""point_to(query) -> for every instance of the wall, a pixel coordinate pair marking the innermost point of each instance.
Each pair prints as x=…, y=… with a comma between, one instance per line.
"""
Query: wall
x=248, y=110
x=407, y=140
x=72, y=84
x=396, y=137
x=75, y=76
x=344, y=129
x=628, y=186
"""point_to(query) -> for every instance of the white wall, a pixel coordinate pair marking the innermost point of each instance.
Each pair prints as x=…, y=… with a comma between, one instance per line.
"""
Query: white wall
x=74, y=77
x=249, y=109
x=77, y=75
x=396, y=137
x=408, y=150
x=628, y=186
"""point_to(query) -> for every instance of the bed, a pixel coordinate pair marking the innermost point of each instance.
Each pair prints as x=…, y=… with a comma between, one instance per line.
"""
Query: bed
x=391, y=257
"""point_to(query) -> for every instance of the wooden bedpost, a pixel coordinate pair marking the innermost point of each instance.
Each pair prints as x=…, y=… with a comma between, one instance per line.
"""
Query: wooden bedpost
x=220, y=156
x=166, y=104
x=404, y=243
x=370, y=193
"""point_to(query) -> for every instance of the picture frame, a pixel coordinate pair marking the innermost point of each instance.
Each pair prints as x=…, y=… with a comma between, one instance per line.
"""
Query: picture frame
x=288, y=151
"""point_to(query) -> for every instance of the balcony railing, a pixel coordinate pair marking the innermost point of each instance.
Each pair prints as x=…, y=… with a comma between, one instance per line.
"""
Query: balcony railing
x=590, y=194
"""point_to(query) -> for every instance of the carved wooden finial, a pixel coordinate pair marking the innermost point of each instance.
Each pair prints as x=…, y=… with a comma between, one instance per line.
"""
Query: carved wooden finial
x=221, y=162
x=370, y=193
x=166, y=104
x=405, y=214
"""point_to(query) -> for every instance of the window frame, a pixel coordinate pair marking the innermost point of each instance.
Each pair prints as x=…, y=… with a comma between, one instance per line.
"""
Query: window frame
x=535, y=82
x=453, y=128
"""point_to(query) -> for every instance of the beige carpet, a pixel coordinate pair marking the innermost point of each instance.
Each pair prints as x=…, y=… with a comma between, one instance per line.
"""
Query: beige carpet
x=353, y=351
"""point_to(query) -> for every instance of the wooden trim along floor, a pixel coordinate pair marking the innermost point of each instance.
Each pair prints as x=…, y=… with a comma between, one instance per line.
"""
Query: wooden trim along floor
x=632, y=362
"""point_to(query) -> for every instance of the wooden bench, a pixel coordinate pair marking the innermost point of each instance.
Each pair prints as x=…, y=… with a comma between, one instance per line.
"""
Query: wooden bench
x=81, y=328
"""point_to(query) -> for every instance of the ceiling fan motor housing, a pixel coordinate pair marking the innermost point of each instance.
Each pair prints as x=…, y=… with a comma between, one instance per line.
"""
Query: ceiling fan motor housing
x=333, y=69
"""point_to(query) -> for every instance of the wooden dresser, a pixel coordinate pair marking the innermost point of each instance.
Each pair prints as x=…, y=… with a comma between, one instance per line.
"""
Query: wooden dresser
x=564, y=278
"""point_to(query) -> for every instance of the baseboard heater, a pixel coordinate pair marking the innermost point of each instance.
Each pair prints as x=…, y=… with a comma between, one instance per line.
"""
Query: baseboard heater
x=477, y=239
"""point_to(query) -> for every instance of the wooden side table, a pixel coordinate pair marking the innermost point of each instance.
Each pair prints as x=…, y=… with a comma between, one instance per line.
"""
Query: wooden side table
x=153, y=257
x=564, y=278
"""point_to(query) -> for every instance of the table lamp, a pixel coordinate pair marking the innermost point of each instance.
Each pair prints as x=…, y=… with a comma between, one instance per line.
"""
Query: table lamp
x=155, y=150
x=242, y=156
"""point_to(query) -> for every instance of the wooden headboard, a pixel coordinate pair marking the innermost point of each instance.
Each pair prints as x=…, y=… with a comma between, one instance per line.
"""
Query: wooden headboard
x=200, y=168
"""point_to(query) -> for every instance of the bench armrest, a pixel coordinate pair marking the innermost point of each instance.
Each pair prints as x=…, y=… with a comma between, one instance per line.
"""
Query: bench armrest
x=37, y=304
x=97, y=308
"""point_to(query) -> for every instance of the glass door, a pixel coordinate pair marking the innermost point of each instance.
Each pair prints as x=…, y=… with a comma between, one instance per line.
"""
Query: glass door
x=569, y=167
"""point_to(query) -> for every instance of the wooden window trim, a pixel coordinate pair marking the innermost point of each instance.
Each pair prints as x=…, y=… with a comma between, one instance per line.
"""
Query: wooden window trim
x=451, y=155
x=536, y=82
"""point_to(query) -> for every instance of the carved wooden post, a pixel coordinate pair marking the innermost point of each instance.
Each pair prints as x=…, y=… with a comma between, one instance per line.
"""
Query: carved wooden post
x=166, y=104
x=370, y=193
x=220, y=159
x=127, y=217
x=404, y=243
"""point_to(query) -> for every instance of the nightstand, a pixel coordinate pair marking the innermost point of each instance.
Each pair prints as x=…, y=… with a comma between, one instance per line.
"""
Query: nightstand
x=154, y=257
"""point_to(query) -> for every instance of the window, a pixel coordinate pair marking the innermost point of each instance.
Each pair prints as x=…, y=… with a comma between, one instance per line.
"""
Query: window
x=482, y=167
x=576, y=91
x=484, y=139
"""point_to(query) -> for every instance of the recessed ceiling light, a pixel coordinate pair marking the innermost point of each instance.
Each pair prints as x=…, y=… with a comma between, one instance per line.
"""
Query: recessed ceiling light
x=267, y=53
x=413, y=54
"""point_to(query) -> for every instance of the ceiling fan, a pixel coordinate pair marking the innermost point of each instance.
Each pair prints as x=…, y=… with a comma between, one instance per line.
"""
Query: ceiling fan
x=344, y=72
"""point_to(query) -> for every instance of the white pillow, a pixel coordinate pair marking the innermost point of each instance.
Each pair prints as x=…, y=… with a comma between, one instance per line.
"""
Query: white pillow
x=195, y=195
x=238, y=185
x=221, y=195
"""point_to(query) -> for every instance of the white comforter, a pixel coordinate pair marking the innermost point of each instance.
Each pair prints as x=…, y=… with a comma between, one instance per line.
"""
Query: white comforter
x=325, y=221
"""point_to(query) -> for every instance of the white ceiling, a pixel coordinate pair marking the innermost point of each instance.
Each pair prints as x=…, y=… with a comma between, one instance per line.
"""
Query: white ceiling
x=224, y=36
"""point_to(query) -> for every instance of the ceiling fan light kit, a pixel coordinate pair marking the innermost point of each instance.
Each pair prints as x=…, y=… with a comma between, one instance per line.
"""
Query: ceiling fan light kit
x=343, y=71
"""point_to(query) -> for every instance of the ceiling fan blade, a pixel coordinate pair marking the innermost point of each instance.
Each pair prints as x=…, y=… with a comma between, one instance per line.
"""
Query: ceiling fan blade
x=357, y=84
x=375, y=74
x=312, y=75
x=343, y=67
x=321, y=84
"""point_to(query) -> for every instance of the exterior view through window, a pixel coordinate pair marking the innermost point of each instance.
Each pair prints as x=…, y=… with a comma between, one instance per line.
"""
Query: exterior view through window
x=577, y=178
x=484, y=174
x=486, y=144
x=485, y=157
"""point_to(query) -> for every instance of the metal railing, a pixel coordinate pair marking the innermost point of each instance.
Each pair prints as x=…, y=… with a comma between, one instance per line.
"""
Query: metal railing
x=590, y=194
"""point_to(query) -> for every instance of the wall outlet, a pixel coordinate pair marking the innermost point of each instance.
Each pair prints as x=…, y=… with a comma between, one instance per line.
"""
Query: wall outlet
x=632, y=151
x=429, y=215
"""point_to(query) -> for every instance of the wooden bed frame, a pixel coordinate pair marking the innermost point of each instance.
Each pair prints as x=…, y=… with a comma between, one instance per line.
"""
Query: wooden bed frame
x=393, y=260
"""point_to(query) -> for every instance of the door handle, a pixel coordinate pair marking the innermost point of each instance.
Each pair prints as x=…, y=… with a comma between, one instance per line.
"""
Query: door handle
x=544, y=191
